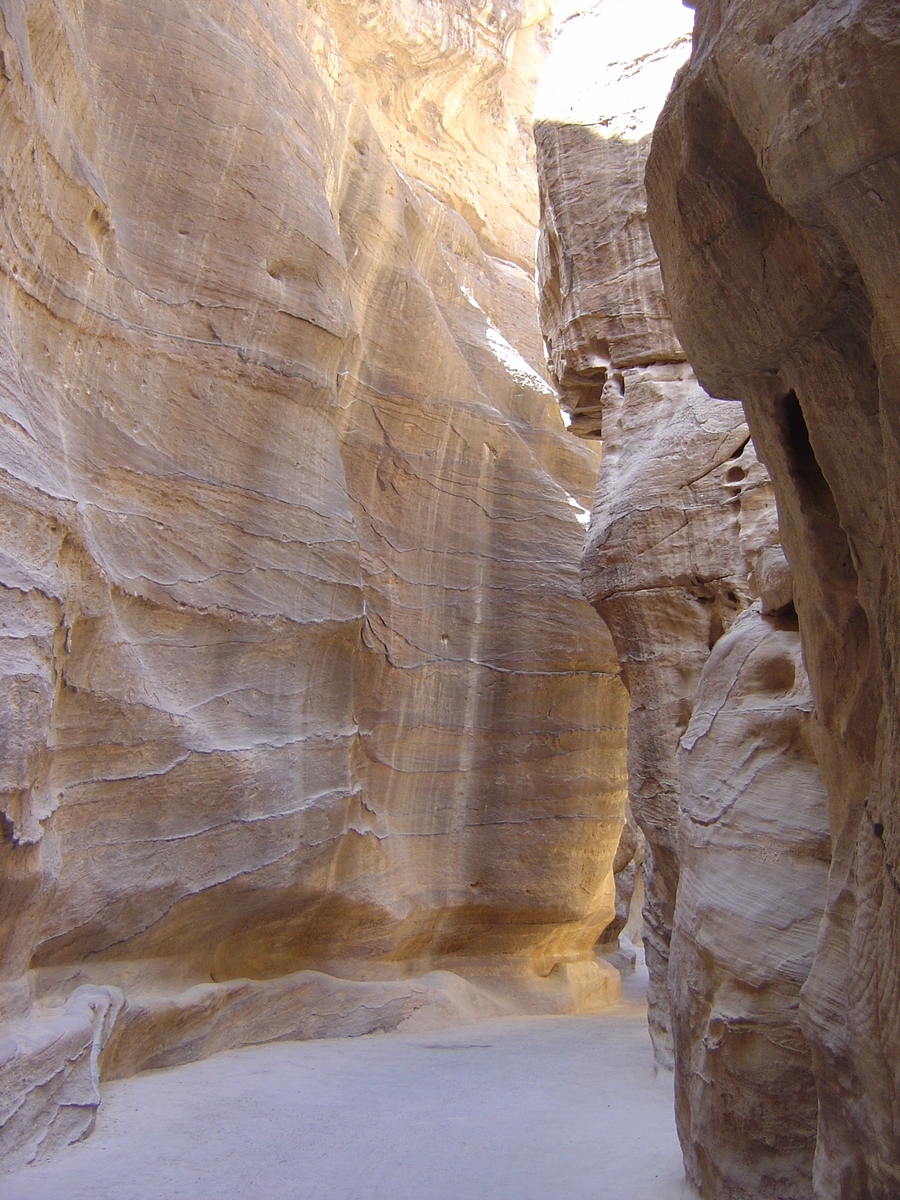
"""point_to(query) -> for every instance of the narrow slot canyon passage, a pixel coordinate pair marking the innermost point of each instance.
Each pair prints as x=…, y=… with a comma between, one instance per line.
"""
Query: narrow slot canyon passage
x=524, y=1108
x=449, y=493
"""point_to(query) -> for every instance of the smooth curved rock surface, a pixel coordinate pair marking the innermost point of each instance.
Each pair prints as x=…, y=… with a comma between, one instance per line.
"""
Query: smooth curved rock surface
x=754, y=856
x=296, y=669
x=775, y=205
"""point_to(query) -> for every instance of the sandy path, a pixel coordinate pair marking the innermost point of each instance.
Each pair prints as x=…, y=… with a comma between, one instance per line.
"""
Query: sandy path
x=537, y=1108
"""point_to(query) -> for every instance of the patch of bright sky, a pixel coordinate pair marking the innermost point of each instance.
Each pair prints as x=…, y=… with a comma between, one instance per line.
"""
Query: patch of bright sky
x=612, y=64
x=582, y=515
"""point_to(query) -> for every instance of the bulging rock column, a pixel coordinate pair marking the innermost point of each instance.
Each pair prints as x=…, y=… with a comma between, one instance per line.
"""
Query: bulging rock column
x=754, y=852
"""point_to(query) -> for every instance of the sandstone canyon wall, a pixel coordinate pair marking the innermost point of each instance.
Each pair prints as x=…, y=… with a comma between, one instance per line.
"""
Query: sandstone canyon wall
x=300, y=696
x=663, y=561
x=682, y=559
x=774, y=192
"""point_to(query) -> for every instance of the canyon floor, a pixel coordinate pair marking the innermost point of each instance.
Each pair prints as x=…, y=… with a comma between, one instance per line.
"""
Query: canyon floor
x=543, y=1108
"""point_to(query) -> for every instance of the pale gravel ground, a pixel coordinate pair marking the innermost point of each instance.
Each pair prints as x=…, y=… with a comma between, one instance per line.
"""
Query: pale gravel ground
x=530, y=1108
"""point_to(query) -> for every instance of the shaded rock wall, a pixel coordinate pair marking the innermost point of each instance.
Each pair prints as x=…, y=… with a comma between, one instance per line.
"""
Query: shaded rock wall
x=663, y=563
x=723, y=777
x=679, y=484
x=296, y=669
x=754, y=856
x=774, y=204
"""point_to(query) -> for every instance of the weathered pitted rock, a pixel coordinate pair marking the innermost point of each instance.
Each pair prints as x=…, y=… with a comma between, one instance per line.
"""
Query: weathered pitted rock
x=664, y=564
x=296, y=669
x=775, y=203
x=754, y=854
x=600, y=292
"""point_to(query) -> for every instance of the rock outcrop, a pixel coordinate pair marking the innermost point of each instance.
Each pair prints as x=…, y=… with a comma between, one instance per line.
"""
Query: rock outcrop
x=775, y=205
x=600, y=293
x=723, y=775
x=49, y=1074
x=754, y=854
x=663, y=562
x=297, y=675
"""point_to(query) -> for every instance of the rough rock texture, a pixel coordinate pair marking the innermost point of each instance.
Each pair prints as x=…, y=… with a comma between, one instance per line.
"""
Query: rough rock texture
x=600, y=294
x=774, y=186
x=754, y=855
x=296, y=669
x=682, y=505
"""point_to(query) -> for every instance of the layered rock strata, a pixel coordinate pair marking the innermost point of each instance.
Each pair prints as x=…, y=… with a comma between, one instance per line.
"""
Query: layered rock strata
x=600, y=293
x=663, y=563
x=297, y=675
x=775, y=205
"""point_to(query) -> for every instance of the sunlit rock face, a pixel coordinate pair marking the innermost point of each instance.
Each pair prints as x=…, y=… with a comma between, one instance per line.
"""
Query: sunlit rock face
x=296, y=668
x=775, y=205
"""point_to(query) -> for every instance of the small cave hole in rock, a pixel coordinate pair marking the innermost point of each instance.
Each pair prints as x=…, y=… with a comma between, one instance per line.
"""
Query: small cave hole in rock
x=804, y=465
x=716, y=628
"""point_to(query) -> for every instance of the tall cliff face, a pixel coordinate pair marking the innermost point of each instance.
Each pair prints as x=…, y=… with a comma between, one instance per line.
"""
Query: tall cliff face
x=296, y=669
x=682, y=559
x=663, y=560
x=775, y=205
x=754, y=854
x=600, y=292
